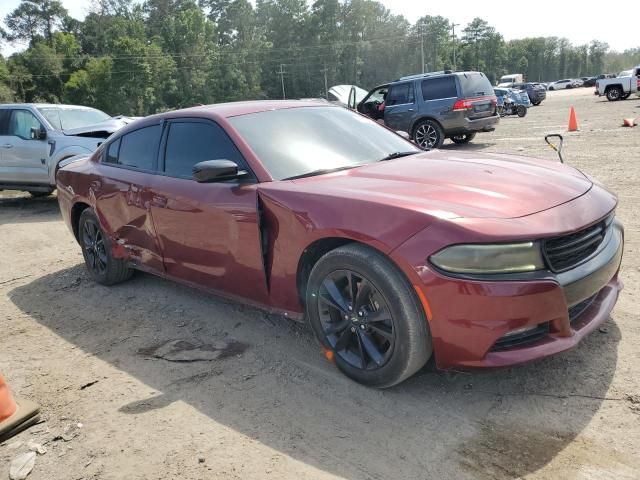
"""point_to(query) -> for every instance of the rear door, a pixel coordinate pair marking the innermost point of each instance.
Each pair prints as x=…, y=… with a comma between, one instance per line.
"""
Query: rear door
x=439, y=95
x=208, y=232
x=23, y=159
x=122, y=194
x=400, y=106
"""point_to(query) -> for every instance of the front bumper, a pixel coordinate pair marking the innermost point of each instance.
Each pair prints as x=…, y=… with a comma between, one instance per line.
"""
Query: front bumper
x=470, y=315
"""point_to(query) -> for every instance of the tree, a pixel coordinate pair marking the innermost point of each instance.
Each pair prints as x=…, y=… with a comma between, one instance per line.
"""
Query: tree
x=33, y=18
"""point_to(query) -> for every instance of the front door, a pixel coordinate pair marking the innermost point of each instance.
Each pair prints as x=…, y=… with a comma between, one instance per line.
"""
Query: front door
x=23, y=160
x=208, y=232
x=400, y=107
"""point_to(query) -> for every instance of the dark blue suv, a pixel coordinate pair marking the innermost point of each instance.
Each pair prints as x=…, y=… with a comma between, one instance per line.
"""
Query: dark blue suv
x=434, y=106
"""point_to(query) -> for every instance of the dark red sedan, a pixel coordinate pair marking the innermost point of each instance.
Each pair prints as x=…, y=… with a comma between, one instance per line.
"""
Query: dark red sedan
x=391, y=253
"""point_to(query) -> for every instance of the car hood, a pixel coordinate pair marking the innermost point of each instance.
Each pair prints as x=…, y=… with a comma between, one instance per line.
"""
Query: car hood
x=102, y=129
x=451, y=185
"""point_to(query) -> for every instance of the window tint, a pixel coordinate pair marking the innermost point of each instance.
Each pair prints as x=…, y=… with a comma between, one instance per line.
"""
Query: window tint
x=400, y=94
x=21, y=123
x=112, y=153
x=4, y=121
x=139, y=148
x=191, y=142
x=442, y=87
x=475, y=85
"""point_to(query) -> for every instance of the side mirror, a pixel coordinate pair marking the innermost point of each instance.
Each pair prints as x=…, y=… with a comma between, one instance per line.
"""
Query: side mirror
x=404, y=134
x=216, y=171
x=38, y=133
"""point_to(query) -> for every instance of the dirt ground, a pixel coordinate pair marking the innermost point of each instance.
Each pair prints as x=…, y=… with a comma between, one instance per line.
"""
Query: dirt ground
x=260, y=401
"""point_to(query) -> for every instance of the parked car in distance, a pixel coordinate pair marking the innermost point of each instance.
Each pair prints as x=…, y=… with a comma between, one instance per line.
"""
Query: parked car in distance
x=589, y=81
x=620, y=87
x=339, y=94
x=434, y=106
x=561, y=84
x=35, y=138
x=507, y=81
x=577, y=82
x=603, y=76
x=392, y=254
x=536, y=92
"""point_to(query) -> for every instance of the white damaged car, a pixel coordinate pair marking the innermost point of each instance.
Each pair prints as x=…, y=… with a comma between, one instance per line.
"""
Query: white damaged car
x=35, y=138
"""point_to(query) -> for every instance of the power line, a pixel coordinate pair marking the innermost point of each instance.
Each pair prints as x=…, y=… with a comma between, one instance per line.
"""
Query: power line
x=282, y=73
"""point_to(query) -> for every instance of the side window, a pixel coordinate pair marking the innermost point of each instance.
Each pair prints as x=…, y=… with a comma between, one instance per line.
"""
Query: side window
x=437, y=88
x=112, y=153
x=21, y=123
x=400, y=94
x=138, y=149
x=4, y=121
x=189, y=143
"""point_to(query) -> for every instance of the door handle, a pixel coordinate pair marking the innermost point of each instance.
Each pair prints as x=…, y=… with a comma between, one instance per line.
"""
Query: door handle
x=411, y=110
x=7, y=145
x=158, y=201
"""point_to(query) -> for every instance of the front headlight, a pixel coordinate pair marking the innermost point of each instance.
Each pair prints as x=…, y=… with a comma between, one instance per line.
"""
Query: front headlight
x=483, y=258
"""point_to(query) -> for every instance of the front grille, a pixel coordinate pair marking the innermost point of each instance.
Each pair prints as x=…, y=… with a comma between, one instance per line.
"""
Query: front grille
x=563, y=253
x=520, y=339
x=579, y=308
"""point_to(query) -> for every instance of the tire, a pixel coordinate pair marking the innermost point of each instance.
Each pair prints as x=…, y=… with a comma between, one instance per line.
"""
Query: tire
x=96, y=250
x=463, y=139
x=614, y=94
x=625, y=96
x=428, y=134
x=521, y=110
x=362, y=308
x=36, y=194
x=536, y=103
x=551, y=88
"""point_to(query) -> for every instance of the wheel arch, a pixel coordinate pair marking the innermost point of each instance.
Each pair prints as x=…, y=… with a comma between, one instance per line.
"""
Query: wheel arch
x=76, y=212
x=616, y=85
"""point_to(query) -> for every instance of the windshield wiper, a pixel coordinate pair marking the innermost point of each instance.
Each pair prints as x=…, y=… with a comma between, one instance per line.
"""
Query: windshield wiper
x=395, y=155
x=321, y=171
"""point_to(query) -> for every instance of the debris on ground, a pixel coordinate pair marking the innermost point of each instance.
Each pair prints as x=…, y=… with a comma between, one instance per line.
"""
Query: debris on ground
x=21, y=466
x=36, y=447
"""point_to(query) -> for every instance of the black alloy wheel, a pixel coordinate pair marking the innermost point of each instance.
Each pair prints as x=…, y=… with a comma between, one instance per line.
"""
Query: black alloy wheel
x=356, y=320
x=94, y=248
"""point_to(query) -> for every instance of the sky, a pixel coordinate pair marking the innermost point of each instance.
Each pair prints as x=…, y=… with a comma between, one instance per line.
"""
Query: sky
x=578, y=21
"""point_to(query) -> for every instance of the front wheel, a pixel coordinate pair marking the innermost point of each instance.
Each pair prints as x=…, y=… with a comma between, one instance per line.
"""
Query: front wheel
x=614, y=94
x=521, y=110
x=96, y=250
x=364, y=311
x=463, y=139
x=428, y=134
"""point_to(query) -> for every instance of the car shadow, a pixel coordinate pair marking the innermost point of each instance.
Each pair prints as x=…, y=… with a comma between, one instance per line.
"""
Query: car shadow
x=265, y=377
x=22, y=208
x=472, y=146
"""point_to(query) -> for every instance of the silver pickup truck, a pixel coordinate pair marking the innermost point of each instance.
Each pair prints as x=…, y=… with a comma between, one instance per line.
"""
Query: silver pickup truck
x=35, y=138
x=620, y=87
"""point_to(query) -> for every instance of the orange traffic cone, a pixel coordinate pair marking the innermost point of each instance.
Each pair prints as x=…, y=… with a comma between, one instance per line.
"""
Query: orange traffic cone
x=573, y=121
x=13, y=417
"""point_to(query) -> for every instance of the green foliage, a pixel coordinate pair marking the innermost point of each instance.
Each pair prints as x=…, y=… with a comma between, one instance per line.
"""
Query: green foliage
x=134, y=58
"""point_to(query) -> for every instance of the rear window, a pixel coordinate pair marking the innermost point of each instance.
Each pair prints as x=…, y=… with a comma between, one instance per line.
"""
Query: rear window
x=441, y=87
x=401, y=94
x=474, y=85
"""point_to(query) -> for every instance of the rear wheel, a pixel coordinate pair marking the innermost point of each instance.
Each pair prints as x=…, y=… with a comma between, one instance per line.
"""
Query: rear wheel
x=428, y=134
x=614, y=93
x=463, y=139
x=521, y=110
x=363, y=310
x=96, y=250
x=537, y=103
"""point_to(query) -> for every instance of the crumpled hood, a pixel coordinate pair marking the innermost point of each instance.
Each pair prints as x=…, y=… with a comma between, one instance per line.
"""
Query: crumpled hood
x=457, y=184
x=100, y=129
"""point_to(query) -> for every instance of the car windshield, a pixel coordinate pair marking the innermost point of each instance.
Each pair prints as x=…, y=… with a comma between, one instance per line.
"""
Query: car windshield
x=68, y=118
x=298, y=141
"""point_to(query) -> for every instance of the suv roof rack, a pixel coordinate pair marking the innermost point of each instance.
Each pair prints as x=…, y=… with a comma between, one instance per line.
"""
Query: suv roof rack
x=428, y=74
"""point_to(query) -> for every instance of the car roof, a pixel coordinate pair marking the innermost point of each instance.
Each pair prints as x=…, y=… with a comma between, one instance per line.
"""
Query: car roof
x=234, y=109
x=44, y=105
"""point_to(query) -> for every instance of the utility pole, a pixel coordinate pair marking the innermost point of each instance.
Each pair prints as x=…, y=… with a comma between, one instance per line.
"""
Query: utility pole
x=282, y=73
x=326, y=88
x=453, y=34
x=422, y=45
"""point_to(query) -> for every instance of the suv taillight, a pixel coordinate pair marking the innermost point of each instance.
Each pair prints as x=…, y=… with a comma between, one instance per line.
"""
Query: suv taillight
x=467, y=104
